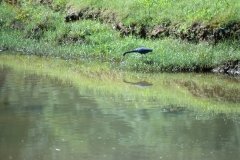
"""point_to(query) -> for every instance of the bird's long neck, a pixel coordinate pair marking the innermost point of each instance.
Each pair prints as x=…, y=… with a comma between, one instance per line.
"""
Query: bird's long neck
x=129, y=52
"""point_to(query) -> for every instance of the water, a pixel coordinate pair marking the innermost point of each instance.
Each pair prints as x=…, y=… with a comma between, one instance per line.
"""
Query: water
x=43, y=118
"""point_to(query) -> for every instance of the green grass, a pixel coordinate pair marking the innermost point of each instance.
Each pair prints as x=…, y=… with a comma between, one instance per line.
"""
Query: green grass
x=165, y=11
x=45, y=33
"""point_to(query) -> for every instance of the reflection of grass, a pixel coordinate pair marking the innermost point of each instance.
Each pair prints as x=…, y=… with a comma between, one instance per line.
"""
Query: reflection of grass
x=107, y=84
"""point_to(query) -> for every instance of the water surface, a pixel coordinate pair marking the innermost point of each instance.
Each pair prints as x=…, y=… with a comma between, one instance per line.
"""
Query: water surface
x=42, y=118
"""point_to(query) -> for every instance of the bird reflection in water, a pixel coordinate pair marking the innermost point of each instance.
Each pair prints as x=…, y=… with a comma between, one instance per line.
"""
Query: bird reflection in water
x=140, y=84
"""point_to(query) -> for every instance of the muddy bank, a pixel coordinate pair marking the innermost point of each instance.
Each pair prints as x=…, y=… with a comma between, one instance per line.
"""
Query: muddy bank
x=195, y=33
x=230, y=67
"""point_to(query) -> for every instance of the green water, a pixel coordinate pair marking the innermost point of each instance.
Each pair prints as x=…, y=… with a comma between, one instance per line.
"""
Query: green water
x=43, y=117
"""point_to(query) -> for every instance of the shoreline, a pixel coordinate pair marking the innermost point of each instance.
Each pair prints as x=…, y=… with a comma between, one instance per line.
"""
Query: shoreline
x=98, y=35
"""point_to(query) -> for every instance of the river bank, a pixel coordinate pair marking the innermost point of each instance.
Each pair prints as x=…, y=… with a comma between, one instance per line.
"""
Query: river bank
x=71, y=31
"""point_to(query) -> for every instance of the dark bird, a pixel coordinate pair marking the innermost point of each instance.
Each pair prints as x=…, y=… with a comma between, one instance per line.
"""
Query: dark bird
x=141, y=50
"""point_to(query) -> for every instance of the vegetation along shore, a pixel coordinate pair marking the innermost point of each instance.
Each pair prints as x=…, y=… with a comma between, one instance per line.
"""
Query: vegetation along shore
x=196, y=36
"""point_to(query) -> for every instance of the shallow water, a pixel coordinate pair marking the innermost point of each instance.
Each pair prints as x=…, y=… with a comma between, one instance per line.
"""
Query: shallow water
x=42, y=117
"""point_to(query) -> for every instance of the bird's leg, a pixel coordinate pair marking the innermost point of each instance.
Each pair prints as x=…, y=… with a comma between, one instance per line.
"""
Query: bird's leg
x=145, y=56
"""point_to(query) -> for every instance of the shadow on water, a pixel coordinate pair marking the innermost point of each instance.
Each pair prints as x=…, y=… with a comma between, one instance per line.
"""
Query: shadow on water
x=140, y=84
x=181, y=116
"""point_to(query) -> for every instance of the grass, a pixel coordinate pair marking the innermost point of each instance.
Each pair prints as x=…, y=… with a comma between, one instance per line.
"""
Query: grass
x=165, y=11
x=43, y=32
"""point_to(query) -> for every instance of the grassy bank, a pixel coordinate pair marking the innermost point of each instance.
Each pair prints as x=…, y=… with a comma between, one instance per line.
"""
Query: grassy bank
x=153, y=12
x=41, y=30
